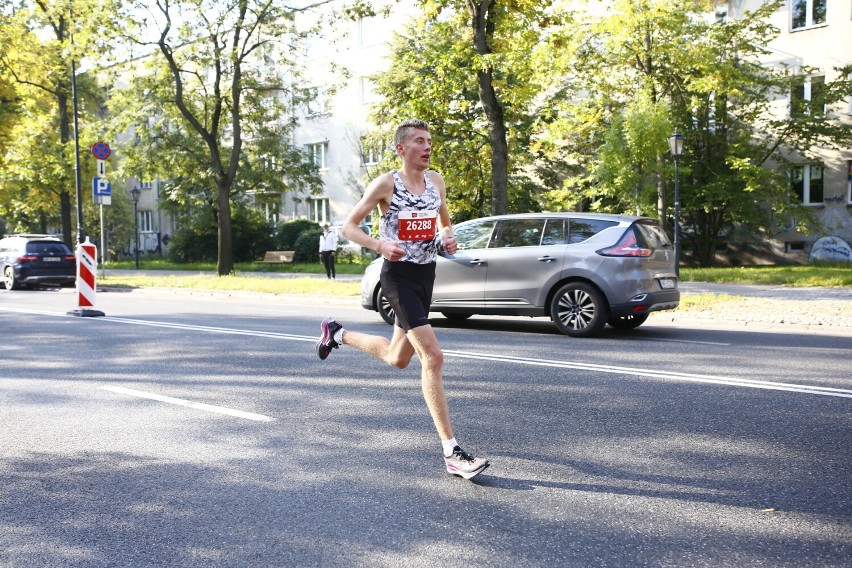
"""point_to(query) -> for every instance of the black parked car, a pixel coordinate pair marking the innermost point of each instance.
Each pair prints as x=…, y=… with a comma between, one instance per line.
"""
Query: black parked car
x=36, y=259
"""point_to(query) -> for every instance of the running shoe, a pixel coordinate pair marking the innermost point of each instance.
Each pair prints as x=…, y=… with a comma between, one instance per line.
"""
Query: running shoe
x=326, y=342
x=465, y=465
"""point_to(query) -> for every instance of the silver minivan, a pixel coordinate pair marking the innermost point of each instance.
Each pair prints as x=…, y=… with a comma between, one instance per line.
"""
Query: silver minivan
x=583, y=270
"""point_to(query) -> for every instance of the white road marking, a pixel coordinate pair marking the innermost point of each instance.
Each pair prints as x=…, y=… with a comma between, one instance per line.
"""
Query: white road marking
x=649, y=373
x=189, y=403
x=714, y=379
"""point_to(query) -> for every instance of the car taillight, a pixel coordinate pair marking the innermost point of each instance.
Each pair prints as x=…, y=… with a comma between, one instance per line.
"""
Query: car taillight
x=626, y=246
x=70, y=257
x=27, y=258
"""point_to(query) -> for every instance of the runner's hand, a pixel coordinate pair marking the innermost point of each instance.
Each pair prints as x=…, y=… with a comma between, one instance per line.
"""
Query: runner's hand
x=391, y=251
x=450, y=244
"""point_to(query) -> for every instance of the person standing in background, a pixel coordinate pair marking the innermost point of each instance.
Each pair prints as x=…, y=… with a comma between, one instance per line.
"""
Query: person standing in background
x=327, y=250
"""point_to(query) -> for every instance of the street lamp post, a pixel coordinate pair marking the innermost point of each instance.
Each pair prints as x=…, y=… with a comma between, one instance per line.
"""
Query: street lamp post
x=135, y=194
x=676, y=148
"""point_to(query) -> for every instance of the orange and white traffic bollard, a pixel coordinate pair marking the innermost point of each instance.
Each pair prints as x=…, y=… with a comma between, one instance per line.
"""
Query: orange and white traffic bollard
x=87, y=266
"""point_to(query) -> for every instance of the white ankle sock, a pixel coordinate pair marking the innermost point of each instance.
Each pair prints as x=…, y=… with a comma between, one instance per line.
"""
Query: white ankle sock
x=338, y=336
x=448, y=446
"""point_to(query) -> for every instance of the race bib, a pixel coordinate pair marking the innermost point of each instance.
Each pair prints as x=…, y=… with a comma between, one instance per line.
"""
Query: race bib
x=417, y=225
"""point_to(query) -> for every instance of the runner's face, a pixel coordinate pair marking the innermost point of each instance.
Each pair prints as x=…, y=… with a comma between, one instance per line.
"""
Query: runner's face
x=417, y=148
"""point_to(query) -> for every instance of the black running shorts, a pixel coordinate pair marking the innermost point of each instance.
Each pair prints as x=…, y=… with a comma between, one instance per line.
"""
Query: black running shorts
x=408, y=288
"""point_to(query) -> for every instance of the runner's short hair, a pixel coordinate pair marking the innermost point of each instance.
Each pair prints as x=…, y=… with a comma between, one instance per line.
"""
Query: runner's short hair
x=404, y=129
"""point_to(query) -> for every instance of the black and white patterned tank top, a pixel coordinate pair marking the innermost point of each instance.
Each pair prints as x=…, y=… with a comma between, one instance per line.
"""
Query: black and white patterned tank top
x=416, y=251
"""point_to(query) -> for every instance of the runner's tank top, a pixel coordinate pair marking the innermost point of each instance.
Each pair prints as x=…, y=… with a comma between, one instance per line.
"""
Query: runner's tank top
x=416, y=251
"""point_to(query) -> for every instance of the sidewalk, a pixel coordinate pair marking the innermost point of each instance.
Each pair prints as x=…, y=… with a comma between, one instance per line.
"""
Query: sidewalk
x=790, y=308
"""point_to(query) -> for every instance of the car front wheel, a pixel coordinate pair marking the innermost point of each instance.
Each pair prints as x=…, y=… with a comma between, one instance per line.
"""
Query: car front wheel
x=628, y=322
x=385, y=309
x=9, y=279
x=579, y=310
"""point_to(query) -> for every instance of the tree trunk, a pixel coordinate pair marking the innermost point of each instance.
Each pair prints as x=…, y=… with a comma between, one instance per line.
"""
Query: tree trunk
x=64, y=180
x=225, y=249
x=483, y=26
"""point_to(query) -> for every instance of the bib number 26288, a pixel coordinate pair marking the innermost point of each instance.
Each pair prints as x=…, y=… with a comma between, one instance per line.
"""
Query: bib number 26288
x=417, y=225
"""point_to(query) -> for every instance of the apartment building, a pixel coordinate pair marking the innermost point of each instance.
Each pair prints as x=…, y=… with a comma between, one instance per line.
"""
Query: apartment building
x=815, y=35
x=332, y=129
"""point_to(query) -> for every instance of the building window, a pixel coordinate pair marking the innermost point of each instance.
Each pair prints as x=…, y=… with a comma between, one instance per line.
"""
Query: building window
x=807, y=13
x=807, y=96
x=319, y=154
x=807, y=184
x=368, y=92
x=721, y=13
x=146, y=222
x=849, y=182
x=318, y=101
x=370, y=31
x=794, y=246
x=370, y=155
x=319, y=210
x=146, y=185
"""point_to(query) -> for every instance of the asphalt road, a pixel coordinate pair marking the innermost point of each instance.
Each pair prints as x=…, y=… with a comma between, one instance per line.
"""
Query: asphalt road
x=196, y=429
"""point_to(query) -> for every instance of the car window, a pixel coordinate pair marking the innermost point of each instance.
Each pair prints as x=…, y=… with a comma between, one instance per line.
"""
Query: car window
x=581, y=229
x=554, y=232
x=519, y=233
x=41, y=247
x=474, y=235
x=653, y=234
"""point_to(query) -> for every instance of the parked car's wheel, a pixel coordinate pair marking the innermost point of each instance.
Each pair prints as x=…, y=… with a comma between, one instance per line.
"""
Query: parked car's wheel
x=9, y=279
x=628, y=322
x=385, y=309
x=455, y=317
x=579, y=310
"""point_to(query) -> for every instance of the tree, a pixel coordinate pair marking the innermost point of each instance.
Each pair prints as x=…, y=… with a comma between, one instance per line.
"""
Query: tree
x=718, y=94
x=476, y=72
x=41, y=39
x=209, y=115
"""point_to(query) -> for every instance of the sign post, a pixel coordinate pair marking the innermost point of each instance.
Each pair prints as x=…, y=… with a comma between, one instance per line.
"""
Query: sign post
x=102, y=191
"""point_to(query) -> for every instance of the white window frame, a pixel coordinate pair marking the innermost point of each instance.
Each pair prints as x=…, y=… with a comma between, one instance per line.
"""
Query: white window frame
x=809, y=14
x=807, y=94
x=369, y=29
x=319, y=154
x=146, y=221
x=320, y=102
x=319, y=209
x=848, y=182
x=806, y=182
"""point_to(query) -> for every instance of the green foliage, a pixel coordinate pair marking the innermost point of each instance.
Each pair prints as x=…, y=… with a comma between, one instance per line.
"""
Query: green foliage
x=207, y=112
x=36, y=58
x=307, y=246
x=197, y=241
x=435, y=75
x=288, y=233
x=649, y=66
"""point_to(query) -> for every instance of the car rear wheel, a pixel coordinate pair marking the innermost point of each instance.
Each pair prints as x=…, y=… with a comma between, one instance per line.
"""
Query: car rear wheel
x=385, y=309
x=9, y=279
x=627, y=322
x=455, y=317
x=579, y=310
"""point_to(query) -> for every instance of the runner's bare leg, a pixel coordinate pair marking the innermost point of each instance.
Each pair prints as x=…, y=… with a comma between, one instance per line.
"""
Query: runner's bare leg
x=398, y=353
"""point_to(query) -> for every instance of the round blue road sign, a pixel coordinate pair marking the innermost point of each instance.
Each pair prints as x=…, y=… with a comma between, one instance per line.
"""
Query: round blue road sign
x=101, y=150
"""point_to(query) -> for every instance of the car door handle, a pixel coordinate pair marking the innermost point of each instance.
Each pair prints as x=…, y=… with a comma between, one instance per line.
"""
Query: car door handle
x=476, y=262
x=546, y=258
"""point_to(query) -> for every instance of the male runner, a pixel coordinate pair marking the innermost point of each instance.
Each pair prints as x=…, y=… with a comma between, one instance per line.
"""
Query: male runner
x=412, y=201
